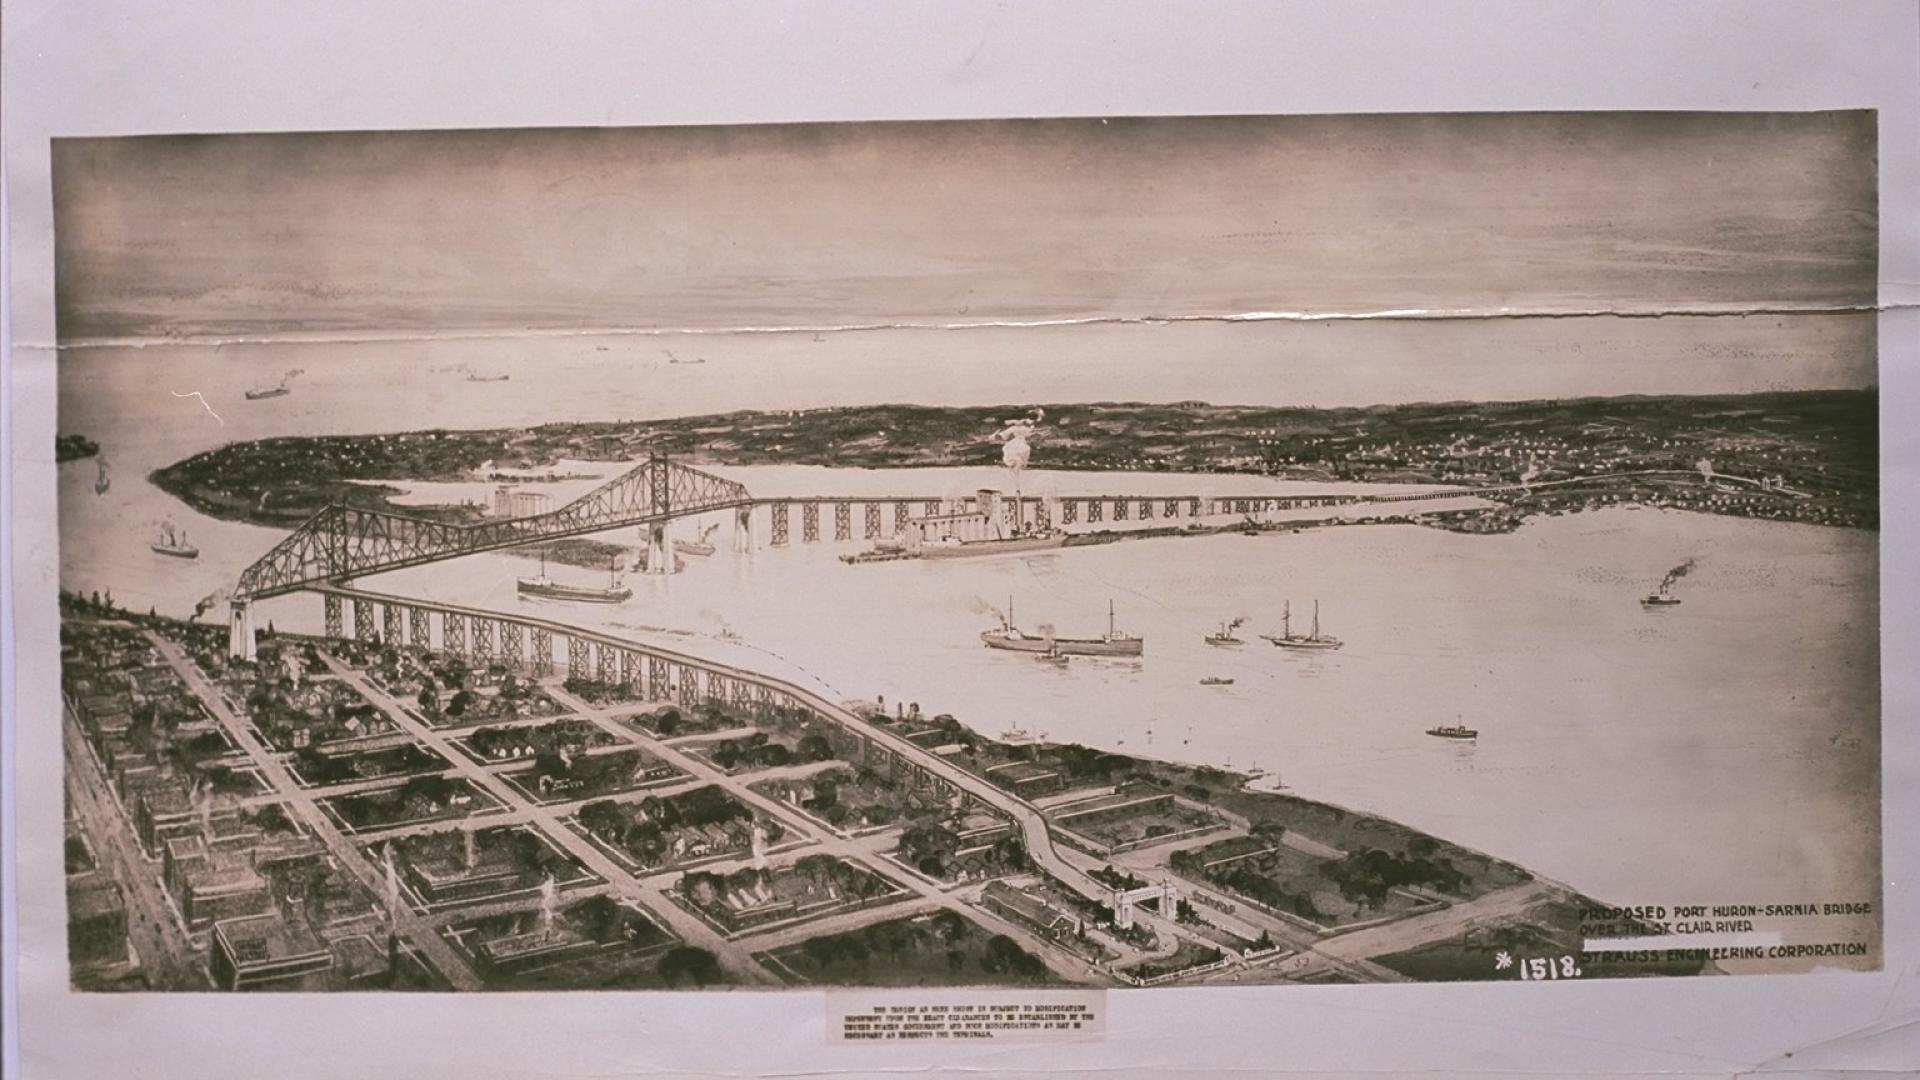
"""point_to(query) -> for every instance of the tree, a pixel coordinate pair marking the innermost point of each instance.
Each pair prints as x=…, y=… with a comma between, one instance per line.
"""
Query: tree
x=429, y=700
x=949, y=927
x=697, y=965
x=825, y=795
x=666, y=723
x=461, y=700
x=821, y=951
x=603, y=819
x=1002, y=953
x=815, y=748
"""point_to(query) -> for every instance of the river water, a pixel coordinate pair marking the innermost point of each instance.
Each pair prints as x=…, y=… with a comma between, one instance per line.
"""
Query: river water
x=1724, y=751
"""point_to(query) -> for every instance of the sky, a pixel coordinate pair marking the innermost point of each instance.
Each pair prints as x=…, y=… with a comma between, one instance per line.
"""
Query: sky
x=937, y=223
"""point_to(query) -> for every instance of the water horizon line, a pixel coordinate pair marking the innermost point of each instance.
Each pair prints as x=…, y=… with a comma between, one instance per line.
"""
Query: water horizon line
x=370, y=336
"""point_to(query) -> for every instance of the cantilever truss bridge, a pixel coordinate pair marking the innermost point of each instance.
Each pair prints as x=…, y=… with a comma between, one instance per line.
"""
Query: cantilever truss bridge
x=342, y=542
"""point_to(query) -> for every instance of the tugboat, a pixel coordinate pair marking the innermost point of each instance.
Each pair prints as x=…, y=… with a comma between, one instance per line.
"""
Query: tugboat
x=1215, y=680
x=701, y=547
x=1660, y=598
x=1054, y=657
x=1226, y=638
x=1112, y=643
x=174, y=544
x=1663, y=596
x=548, y=589
x=1287, y=639
x=1453, y=731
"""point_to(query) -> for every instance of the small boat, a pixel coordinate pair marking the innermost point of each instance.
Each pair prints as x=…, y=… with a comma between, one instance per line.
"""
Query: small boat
x=548, y=589
x=264, y=393
x=100, y=482
x=701, y=547
x=1054, y=657
x=1453, y=731
x=1215, y=680
x=1287, y=639
x=474, y=376
x=1661, y=597
x=174, y=544
x=672, y=359
x=1226, y=638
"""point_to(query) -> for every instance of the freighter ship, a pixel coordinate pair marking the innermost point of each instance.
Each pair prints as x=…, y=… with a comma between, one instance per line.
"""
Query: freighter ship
x=952, y=548
x=548, y=589
x=1112, y=643
x=174, y=544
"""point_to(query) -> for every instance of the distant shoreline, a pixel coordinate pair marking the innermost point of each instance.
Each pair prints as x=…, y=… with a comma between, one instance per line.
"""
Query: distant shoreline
x=1822, y=446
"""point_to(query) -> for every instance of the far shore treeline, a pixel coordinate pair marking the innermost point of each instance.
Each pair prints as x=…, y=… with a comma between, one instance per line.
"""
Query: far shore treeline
x=1820, y=444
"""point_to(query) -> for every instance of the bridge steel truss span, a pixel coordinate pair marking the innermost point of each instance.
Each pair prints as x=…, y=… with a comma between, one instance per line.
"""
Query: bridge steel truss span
x=344, y=542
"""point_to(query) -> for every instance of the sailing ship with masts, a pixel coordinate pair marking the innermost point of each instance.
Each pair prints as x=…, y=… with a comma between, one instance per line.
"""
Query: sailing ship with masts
x=1112, y=643
x=1313, y=639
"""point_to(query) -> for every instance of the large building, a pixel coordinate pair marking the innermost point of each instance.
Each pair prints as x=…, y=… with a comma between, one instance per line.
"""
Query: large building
x=508, y=503
x=96, y=921
x=273, y=949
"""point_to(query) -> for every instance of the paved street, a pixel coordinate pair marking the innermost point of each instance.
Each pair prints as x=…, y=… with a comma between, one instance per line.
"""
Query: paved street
x=168, y=958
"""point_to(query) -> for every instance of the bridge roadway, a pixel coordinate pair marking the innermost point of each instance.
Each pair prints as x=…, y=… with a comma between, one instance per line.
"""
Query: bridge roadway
x=1026, y=816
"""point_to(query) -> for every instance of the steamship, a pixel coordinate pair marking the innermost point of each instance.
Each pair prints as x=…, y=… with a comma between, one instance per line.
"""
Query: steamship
x=1112, y=643
x=546, y=588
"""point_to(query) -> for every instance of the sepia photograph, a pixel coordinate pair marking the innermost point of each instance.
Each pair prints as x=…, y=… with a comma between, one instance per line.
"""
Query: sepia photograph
x=1189, y=551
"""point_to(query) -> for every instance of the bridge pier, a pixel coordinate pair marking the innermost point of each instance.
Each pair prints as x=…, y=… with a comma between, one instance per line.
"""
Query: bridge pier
x=482, y=642
x=240, y=643
x=779, y=526
x=659, y=552
x=743, y=529
x=540, y=651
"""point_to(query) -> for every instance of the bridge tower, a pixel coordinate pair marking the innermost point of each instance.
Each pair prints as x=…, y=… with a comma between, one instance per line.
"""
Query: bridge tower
x=743, y=529
x=659, y=551
x=240, y=644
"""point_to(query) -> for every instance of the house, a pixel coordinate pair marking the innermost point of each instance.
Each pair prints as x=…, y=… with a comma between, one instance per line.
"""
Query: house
x=1028, y=910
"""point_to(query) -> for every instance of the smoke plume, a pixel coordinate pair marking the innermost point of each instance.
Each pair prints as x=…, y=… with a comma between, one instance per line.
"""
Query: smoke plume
x=1677, y=573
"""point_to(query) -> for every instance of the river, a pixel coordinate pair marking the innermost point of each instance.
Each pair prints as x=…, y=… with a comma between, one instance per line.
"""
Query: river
x=1724, y=751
